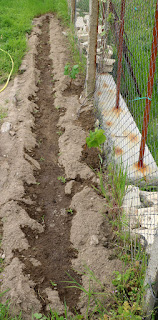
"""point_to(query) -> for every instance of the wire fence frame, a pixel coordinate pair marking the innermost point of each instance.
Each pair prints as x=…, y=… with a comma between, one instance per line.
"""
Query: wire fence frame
x=126, y=95
x=121, y=124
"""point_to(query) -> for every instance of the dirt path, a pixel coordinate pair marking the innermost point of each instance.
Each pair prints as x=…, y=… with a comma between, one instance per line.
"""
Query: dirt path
x=43, y=241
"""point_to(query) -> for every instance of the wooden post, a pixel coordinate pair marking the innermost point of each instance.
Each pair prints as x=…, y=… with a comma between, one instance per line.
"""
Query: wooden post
x=73, y=8
x=92, y=46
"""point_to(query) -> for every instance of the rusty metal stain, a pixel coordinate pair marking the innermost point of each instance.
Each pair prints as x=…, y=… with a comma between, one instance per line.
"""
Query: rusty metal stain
x=144, y=169
x=112, y=91
x=105, y=112
x=99, y=93
x=118, y=151
x=109, y=123
x=133, y=137
x=105, y=85
x=117, y=111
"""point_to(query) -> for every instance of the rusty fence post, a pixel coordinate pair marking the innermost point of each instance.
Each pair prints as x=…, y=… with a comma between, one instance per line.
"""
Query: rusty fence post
x=149, y=89
x=92, y=46
x=119, y=69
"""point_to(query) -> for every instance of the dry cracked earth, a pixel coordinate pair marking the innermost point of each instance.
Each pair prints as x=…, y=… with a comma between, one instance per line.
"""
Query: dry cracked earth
x=53, y=223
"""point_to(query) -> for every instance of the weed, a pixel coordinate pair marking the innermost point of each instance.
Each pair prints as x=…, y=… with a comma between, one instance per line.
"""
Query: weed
x=37, y=183
x=62, y=179
x=70, y=211
x=96, y=138
x=59, y=133
x=71, y=72
x=42, y=159
x=42, y=218
x=39, y=316
x=3, y=114
x=58, y=107
x=53, y=284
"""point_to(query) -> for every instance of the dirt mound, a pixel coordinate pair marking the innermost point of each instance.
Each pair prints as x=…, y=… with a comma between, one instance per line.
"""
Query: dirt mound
x=53, y=221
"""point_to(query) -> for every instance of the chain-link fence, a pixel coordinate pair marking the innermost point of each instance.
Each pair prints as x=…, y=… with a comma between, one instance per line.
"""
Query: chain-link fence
x=127, y=97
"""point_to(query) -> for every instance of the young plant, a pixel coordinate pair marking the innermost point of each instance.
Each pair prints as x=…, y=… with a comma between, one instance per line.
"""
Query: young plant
x=96, y=138
x=62, y=179
x=69, y=211
x=71, y=72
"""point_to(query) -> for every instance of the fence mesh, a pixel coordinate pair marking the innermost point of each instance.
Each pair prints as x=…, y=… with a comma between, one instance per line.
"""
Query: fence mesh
x=126, y=86
x=122, y=118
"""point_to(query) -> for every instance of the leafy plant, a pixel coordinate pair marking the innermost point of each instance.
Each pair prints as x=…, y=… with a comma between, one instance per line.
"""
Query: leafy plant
x=71, y=72
x=39, y=316
x=96, y=138
x=69, y=211
x=62, y=179
x=118, y=179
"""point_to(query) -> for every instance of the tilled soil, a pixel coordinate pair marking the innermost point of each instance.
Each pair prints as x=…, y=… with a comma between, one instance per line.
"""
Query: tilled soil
x=53, y=220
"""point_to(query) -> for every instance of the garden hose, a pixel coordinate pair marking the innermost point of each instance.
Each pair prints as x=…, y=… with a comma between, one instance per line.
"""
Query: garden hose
x=10, y=71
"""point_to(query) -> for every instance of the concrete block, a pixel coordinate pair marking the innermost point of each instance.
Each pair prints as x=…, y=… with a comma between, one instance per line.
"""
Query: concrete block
x=132, y=198
x=151, y=280
x=80, y=23
x=149, y=198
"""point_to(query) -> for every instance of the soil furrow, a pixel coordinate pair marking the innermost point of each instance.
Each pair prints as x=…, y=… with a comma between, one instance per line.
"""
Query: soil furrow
x=52, y=248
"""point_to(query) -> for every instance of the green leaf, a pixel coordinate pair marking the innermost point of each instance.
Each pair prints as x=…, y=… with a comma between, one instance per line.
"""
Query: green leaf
x=95, y=138
x=38, y=315
x=67, y=70
x=74, y=71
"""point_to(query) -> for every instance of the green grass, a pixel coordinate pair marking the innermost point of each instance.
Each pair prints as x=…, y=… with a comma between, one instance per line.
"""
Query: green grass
x=3, y=114
x=15, y=21
x=139, y=22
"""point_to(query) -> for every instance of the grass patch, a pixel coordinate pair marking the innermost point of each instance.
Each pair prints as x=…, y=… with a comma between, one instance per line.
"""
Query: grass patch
x=3, y=114
x=15, y=21
x=78, y=58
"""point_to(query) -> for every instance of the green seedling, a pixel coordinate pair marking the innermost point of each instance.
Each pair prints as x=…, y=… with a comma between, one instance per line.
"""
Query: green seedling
x=36, y=111
x=38, y=183
x=70, y=211
x=57, y=107
x=62, y=179
x=71, y=72
x=53, y=284
x=42, y=159
x=96, y=138
x=42, y=218
x=59, y=133
x=39, y=316
x=3, y=114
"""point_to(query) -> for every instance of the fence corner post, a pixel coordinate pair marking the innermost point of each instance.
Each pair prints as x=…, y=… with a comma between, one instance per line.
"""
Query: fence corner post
x=92, y=46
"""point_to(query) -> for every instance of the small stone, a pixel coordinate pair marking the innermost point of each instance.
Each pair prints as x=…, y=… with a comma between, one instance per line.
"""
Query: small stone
x=65, y=33
x=6, y=126
x=94, y=240
x=12, y=133
x=3, y=256
x=38, y=209
x=68, y=187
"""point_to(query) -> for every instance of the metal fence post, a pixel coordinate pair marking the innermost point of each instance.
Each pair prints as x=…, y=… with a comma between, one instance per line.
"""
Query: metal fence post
x=92, y=46
x=149, y=89
x=73, y=9
x=119, y=70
